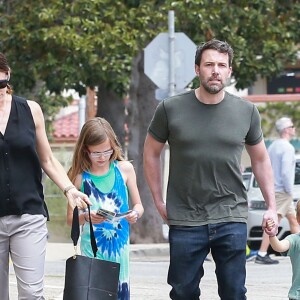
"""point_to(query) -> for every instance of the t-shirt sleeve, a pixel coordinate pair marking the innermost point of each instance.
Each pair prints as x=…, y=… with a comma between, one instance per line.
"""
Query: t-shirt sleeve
x=285, y=253
x=254, y=135
x=158, y=127
x=292, y=238
x=294, y=245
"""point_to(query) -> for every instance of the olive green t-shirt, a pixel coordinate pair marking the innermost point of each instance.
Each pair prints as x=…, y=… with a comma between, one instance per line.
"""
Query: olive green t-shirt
x=206, y=142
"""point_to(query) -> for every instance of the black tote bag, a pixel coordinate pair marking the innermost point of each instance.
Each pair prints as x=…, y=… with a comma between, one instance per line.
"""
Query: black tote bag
x=88, y=278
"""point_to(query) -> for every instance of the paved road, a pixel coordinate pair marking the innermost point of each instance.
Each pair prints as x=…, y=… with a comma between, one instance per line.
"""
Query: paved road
x=149, y=267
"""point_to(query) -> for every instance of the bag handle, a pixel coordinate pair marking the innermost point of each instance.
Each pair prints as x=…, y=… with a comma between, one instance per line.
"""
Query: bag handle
x=75, y=230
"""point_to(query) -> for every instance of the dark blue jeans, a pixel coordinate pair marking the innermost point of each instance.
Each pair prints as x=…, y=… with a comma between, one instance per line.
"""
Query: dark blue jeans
x=189, y=247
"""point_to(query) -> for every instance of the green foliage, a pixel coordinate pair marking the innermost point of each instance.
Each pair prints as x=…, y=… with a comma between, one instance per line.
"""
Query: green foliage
x=264, y=34
x=49, y=102
x=74, y=44
x=79, y=43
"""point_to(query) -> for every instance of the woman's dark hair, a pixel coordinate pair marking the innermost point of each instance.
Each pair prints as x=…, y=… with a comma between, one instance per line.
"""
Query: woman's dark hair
x=4, y=67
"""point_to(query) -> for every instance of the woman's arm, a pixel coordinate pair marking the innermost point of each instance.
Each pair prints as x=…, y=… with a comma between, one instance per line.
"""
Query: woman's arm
x=50, y=164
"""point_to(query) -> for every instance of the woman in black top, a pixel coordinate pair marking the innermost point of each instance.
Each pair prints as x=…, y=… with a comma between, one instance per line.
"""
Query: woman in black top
x=24, y=153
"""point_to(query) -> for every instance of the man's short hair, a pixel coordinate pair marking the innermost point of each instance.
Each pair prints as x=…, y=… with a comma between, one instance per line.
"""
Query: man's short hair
x=214, y=44
x=283, y=123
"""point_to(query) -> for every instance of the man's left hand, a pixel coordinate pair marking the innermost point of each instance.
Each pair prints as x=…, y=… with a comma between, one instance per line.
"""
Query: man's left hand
x=270, y=215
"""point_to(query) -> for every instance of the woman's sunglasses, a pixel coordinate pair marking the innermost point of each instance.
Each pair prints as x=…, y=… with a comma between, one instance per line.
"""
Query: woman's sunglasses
x=3, y=83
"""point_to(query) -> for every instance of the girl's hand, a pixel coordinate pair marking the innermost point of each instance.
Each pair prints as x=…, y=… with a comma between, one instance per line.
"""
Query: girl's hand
x=95, y=218
x=133, y=217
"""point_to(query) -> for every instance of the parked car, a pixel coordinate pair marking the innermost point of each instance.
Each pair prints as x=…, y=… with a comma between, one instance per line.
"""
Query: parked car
x=257, y=207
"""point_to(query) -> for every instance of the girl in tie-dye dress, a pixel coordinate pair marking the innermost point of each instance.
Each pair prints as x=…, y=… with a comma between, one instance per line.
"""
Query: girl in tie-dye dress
x=100, y=171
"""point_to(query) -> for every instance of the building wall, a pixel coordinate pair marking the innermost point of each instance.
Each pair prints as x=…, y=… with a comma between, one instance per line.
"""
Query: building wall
x=259, y=87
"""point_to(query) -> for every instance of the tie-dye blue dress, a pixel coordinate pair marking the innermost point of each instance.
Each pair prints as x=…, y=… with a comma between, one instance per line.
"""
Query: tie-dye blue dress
x=112, y=238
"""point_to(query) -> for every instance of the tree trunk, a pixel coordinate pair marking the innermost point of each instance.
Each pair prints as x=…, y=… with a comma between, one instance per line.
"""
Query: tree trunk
x=111, y=108
x=91, y=105
x=141, y=106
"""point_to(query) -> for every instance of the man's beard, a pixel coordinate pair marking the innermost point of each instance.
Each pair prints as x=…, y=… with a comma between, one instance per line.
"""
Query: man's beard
x=215, y=88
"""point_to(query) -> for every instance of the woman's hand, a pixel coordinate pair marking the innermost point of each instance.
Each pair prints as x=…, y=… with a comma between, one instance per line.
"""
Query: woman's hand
x=77, y=198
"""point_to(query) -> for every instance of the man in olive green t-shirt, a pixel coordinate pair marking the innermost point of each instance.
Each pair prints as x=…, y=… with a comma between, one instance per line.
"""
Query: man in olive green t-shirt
x=206, y=206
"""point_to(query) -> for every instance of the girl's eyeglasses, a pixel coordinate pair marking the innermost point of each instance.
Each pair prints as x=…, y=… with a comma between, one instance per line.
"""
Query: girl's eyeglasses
x=106, y=154
x=3, y=83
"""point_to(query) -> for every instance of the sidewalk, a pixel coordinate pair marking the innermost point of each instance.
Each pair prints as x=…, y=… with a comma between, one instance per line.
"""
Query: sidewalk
x=62, y=251
x=148, y=274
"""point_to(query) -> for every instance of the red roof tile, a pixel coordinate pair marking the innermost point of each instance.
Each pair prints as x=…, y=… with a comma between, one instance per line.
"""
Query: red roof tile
x=66, y=128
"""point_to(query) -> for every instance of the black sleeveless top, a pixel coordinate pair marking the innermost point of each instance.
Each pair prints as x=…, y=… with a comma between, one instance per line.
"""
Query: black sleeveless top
x=21, y=189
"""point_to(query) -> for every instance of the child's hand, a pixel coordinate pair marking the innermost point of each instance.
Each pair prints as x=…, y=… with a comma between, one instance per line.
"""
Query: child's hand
x=96, y=218
x=270, y=224
x=133, y=217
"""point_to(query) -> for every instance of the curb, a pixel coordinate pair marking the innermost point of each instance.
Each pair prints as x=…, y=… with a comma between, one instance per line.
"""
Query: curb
x=62, y=251
x=146, y=250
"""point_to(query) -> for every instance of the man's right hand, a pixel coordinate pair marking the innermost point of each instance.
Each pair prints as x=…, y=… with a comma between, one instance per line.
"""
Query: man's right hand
x=161, y=207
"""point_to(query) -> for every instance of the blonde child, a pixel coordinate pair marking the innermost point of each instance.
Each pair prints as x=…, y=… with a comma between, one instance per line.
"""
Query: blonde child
x=290, y=246
x=100, y=170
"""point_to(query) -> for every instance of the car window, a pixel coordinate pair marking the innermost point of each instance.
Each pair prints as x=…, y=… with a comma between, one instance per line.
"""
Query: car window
x=246, y=180
x=247, y=177
x=255, y=183
x=297, y=173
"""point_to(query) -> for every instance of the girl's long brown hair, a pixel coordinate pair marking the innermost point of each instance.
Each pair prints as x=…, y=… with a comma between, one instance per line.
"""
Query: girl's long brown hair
x=94, y=132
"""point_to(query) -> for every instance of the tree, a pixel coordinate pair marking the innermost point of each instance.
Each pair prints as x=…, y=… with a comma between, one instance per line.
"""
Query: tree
x=82, y=43
x=74, y=45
